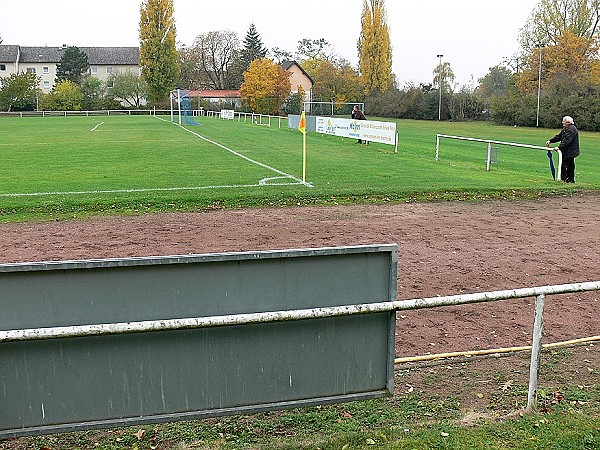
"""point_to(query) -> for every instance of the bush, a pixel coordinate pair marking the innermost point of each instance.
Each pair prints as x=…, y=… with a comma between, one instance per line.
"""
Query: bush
x=66, y=96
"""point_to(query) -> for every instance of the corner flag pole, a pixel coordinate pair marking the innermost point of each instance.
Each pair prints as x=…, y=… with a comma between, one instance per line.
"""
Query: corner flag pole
x=304, y=157
x=302, y=128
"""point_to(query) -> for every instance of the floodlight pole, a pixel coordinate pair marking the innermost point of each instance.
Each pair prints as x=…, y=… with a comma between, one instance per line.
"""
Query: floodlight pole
x=537, y=116
x=440, y=87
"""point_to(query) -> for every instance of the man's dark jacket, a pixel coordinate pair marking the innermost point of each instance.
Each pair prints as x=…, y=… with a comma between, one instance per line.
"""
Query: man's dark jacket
x=569, y=141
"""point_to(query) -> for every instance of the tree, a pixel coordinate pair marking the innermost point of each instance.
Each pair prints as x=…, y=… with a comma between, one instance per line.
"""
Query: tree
x=266, y=86
x=465, y=105
x=316, y=49
x=191, y=75
x=158, y=55
x=93, y=94
x=253, y=49
x=280, y=55
x=551, y=19
x=443, y=77
x=565, y=34
x=19, y=92
x=65, y=96
x=72, y=66
x=293, y=104
x=374, y=47
x=495, y=82
x=253, y=46
x=214, y=54
x=129, y=88
x=559, y=69
x=335, y=81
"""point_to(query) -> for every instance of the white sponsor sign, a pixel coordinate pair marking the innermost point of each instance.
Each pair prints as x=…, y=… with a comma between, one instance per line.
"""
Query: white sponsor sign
x=227, y=114
x=368, y=130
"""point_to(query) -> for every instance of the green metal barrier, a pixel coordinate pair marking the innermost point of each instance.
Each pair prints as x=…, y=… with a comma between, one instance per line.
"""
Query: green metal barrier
x=104, y=343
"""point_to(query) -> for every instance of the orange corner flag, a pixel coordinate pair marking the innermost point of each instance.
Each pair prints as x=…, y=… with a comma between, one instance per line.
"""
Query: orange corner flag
x=302, y=126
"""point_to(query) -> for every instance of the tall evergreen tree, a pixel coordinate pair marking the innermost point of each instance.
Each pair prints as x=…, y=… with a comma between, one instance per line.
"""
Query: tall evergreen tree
x=375, y=48
x=72, y=66
x=158, y=54
x=253, y=46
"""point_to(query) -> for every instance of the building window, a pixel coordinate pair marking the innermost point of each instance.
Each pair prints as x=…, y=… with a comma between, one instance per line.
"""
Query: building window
x=46, y=69
x=109, y=69
x=46, y=85
x=94, y=70
x=2, y=66
x=31, y=70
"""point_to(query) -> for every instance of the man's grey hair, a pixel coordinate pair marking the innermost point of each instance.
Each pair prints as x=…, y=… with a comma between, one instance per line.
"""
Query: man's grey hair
x=568, y=119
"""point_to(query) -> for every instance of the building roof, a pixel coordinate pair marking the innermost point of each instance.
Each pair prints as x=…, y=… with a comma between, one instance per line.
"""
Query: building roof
x=40, y=54
x=210, y=93
x=96, y=55
x=118, y=56
x=289, y=63
x=8, y=53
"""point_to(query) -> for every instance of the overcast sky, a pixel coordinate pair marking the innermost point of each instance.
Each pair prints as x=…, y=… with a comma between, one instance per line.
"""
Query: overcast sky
x=473, y=35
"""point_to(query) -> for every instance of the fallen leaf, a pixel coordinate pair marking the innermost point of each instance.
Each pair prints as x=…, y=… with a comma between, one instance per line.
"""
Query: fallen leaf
x=507, y=385
x=347, y=415
x=444, y=434
x=370, y=442
x=139, y=434
x=479, y=395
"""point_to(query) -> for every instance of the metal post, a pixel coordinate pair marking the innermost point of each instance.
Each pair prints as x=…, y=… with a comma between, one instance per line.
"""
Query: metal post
x=489, y=156
x=537, y=118
x=179, y=104
x=536, y=349
x=440, y=87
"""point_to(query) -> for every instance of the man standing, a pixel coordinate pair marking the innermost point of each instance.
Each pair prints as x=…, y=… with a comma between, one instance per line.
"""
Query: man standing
x=357, y=114
x=569, y=146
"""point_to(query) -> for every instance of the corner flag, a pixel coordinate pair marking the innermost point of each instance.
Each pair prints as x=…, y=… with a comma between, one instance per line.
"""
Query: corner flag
x=302, y=126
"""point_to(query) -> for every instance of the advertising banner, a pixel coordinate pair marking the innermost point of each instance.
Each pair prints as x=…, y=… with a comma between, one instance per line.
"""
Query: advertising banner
x=368, y=130
x=227, y=114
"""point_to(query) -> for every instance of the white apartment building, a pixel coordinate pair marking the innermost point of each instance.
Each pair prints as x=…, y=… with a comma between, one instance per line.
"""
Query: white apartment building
x=42, y=61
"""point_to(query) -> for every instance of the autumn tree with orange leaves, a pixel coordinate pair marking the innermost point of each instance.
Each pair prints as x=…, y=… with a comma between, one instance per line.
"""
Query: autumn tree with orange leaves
x=561, y=48
x=266, y=86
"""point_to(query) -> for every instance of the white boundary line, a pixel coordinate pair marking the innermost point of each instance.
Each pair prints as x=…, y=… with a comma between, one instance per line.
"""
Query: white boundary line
x=265, y=166
x=94, y=129
x=261, y=183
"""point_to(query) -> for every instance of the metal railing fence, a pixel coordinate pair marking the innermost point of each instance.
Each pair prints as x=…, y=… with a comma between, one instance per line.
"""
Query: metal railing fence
x=539, y=293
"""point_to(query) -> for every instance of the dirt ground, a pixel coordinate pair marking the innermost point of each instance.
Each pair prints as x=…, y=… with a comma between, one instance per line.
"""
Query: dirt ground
x=444, y=249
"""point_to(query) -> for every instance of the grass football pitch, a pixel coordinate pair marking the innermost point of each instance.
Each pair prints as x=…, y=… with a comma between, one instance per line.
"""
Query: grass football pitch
x=55, y=167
